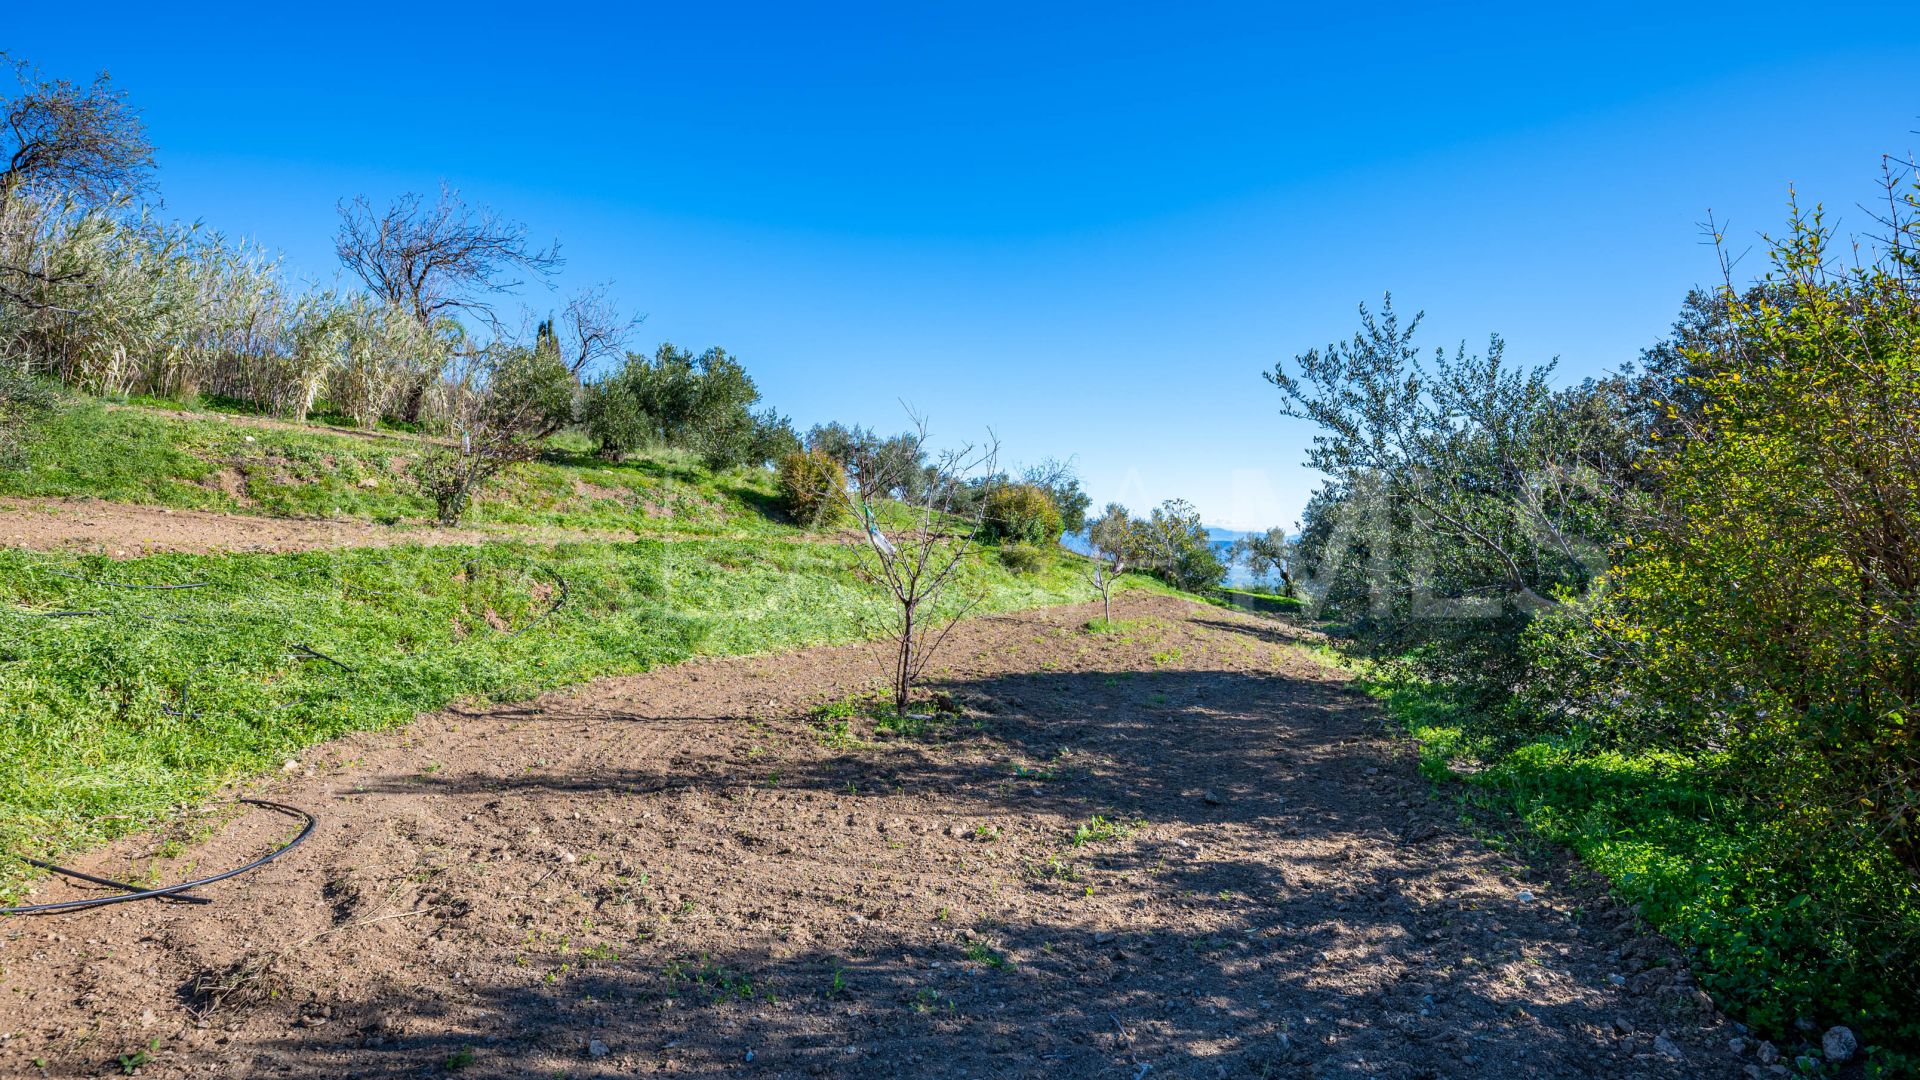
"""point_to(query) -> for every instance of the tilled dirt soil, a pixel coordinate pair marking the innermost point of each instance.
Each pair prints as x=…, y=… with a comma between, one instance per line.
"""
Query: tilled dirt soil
x=682, y=873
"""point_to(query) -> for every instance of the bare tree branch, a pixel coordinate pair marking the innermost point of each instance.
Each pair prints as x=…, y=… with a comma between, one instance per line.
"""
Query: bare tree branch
x=64, y=139
x=438, y=259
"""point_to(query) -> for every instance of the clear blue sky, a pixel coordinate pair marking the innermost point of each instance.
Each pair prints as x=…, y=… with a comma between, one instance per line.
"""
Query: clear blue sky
x=1090, y=227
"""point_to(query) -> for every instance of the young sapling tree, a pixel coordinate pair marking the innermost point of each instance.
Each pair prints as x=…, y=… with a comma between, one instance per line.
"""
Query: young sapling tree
x=916, y=552
x=1112, y=538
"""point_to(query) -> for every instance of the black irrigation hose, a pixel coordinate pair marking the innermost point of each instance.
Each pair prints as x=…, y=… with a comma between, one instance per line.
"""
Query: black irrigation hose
x=316, y=654
x=67, y=871
x=173, y=891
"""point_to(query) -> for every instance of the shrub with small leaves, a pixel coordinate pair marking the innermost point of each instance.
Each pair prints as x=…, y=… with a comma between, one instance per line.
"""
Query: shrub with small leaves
x=1022, y=558
x=1021, y=514
x=810, y=488
x=24, y=402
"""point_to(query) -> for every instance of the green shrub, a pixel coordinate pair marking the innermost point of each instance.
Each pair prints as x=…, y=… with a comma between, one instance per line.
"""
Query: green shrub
x=1021, y=514
x=810, y=487
x=1023, y=558
x=614, y=419
x=24, y=403
x=700, y=403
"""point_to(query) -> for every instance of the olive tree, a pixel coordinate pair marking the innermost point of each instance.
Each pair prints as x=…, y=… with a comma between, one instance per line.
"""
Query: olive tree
x=1264, y=554
x=1111, y=538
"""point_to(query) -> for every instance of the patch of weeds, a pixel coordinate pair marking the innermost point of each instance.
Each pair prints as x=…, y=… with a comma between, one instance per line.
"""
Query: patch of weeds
x=132, y=1063
x=1112, y=626
x=1167, y=656
x=927, y=999
x=986, y=834
x=1097, y=829
x=1053, y=868
x=460, y=1059
x=981, y=953
x=909, y=725
x=712, y=982
x=600, y=951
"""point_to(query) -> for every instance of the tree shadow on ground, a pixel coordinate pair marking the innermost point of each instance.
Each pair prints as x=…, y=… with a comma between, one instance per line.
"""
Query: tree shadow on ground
x=1280, y=894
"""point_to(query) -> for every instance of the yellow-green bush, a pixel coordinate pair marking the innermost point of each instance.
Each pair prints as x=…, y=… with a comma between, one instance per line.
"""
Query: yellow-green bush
x=810, y=487
x=1021, y=514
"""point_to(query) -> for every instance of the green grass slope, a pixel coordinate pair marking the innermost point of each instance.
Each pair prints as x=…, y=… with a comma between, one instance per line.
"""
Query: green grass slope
x=208, y=461
x=116, y=719
x=122, y=707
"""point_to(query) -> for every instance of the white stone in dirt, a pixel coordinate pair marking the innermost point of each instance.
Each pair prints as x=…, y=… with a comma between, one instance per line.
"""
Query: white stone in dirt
x=598, y=1049
x=1767, y=1053
x=1525, y=896
x=1839, y=1044
x=1666, y=1046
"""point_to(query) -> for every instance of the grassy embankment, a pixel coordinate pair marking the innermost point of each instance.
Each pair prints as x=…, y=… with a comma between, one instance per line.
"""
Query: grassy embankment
x=1785, y=916
x=209, y=462
x=1270, y=603
x=119, y=720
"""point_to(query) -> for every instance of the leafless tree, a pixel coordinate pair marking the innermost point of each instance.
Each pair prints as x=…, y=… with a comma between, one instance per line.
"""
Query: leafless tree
x=915, y=547
x=438, y=259
x=592, y=329
x=66, y=140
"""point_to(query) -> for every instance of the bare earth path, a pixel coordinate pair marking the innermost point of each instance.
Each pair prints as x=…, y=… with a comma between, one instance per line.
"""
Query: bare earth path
x=679, y=873
x=123, y=530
